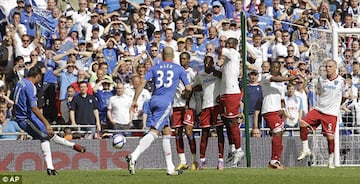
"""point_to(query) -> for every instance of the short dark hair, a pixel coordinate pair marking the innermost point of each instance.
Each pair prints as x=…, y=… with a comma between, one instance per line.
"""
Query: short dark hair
x=83, y=82
x=34, y=71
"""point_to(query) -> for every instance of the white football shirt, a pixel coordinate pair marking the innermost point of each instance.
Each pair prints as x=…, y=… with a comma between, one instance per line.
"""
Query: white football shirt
x=178, y=101
x=272, y=93
x=230, y=72
x=211, y=88
x=331, y=93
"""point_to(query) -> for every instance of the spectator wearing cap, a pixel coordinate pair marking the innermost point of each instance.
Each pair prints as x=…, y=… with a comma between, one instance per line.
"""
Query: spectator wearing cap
x=94, y=21
x=212, y=37
x=19, y=8
x=185, y=14
x=179, y=29
x=27, y=18
x=181, y=48
x=95, y=38
x=194, y=12
x=217, y=15
x=144, y=28
x=209, y=21
x=225, y=30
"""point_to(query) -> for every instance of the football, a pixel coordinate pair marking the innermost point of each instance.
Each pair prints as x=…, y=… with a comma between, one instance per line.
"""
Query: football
x=119, y=141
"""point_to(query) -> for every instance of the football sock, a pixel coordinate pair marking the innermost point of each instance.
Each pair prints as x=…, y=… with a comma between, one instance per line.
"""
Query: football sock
x=167, y=153
x=144, y=144
x=331, y=146
x=45, y=147
x=59, y=140
x=232, y=148
x=277, y=147
x=182, y=158
x=305, y=145
x=303, y=133
x=235, y=134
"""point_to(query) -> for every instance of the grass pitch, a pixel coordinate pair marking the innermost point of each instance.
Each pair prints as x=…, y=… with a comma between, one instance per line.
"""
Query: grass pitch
x=301, y=175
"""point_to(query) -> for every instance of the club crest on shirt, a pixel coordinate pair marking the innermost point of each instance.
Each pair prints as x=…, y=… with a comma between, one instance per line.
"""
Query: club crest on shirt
x=336, y=83
x=90, y=100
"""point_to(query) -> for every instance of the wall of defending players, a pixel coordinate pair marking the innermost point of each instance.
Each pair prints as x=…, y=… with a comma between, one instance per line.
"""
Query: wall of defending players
x=101, y=155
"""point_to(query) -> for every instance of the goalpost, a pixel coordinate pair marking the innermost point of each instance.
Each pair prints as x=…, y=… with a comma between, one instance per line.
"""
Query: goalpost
x=347, y=148
x=354, y=138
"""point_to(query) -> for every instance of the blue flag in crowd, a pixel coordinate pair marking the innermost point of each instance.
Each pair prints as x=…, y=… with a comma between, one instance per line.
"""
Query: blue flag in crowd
x=42, y=18
x=2, y=15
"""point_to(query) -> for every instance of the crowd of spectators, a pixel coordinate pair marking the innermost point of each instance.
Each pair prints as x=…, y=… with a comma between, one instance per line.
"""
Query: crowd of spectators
x=101, y=49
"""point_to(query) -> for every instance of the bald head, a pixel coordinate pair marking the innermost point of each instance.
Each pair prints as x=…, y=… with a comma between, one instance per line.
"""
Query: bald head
x=168, y=54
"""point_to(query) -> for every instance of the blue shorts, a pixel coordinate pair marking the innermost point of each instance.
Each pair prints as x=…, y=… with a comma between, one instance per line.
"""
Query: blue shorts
x=34, y=127
x=161, y=112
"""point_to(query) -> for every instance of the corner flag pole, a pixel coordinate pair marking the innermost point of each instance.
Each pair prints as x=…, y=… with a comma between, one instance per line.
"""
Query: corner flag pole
x=244, y=84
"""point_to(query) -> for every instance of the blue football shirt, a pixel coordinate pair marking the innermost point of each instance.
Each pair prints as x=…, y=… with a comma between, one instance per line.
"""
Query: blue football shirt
x=24, y=96
x=166, y=76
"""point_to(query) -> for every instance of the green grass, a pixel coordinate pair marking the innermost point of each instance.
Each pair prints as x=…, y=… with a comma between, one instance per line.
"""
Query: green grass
x=301, y=175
